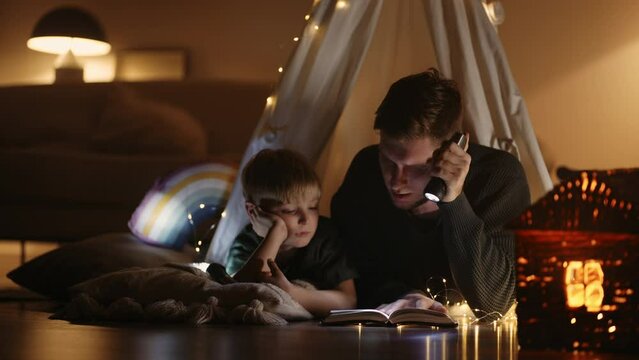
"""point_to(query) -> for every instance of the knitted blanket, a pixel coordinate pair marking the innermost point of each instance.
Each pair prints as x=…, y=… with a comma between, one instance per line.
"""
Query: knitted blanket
x=178, y=293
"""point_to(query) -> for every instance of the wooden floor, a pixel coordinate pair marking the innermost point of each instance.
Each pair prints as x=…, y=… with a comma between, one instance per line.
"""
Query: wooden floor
x=27, y=333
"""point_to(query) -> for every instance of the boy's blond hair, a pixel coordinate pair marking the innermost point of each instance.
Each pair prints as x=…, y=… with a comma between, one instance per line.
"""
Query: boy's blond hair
x=280, y=175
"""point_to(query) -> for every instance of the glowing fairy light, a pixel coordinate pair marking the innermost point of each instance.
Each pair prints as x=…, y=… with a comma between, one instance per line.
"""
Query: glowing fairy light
x=201, y=206
x=189, y=216
x=599, y=316
x=341, y=4
x=306, y=17
x=280, y=69
x=223, y=214
x=573, y=321
x=458, y=308
x=296, y=39
x=612, y=329
x=316, y=27
x=269, y=101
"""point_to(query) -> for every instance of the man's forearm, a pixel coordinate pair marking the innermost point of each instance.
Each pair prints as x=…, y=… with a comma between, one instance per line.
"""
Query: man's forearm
x=482, y=264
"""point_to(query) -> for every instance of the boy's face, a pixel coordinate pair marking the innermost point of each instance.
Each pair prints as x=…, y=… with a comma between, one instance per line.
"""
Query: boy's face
x=406, y=169
x=300, y=215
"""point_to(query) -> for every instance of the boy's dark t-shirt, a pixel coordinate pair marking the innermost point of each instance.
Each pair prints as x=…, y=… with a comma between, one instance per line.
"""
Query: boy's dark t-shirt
x=322, y=262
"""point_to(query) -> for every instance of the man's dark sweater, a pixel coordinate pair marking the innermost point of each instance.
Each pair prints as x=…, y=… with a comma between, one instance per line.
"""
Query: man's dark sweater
x=395, y=252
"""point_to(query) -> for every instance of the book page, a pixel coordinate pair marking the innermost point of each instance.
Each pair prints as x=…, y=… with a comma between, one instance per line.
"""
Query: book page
x=358, y=311
x=355, y=316
x=422, y=316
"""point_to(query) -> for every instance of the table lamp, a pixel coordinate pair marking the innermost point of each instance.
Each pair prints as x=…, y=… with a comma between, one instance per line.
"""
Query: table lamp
x=67, y=32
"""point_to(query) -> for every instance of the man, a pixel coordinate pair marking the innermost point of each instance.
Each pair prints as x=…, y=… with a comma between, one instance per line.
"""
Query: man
x=396, y=238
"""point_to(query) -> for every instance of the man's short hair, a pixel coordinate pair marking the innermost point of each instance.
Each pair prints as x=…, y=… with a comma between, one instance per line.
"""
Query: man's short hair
x=419, y=105
x=279, y=175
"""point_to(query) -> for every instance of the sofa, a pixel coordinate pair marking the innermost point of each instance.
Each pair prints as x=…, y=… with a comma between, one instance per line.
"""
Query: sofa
x=76, y=159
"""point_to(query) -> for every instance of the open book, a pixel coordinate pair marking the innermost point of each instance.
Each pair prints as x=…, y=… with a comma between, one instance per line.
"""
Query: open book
x=398, y=317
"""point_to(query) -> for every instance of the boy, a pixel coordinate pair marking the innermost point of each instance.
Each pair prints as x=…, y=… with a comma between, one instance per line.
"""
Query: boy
x=287, y=239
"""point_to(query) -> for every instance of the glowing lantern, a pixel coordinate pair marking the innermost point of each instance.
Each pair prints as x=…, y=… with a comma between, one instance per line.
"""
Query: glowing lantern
x=577, y=259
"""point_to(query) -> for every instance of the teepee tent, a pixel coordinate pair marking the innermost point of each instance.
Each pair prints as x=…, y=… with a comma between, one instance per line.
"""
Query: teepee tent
x=348, y=56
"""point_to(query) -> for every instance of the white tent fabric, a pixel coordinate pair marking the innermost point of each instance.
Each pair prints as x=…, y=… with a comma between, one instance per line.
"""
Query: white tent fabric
x=324, y=78
x=302, y=113
x=469, y=51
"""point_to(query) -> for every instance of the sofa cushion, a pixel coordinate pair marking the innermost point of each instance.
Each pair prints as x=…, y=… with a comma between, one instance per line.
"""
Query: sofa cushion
x=132, y=124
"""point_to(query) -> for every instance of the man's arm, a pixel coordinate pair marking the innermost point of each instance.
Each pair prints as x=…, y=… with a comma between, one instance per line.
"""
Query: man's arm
x=481, y=252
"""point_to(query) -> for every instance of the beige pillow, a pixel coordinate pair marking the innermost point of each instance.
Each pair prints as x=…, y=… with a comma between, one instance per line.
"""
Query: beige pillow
x=131, y=124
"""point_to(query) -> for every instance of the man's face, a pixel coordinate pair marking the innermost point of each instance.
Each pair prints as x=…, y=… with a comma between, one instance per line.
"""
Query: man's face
x=406, y=169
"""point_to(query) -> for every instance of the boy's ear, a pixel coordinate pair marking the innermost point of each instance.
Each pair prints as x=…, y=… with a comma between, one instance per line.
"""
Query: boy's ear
x=249, y=206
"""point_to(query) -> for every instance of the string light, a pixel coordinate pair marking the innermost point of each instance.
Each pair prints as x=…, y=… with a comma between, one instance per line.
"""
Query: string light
x=280, y=69
x=341, y=4
x=306, y=17
x=296, y=39
x=460, y=309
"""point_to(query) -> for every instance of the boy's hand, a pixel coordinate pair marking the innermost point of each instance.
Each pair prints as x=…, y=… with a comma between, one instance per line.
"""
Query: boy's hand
x=276, y=277
x=264, y=222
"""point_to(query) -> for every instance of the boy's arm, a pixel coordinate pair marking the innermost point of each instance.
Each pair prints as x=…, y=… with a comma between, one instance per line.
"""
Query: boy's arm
x=321, y=302
x=257, y=265
x=317, y=302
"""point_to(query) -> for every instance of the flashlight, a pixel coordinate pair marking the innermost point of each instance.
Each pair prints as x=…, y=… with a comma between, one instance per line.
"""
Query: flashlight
x=436, y=187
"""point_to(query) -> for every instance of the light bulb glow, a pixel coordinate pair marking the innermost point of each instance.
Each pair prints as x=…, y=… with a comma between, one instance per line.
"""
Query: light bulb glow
x=62, y=44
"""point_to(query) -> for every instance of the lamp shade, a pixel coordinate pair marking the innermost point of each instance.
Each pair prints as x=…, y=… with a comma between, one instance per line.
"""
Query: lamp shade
x=69, y=29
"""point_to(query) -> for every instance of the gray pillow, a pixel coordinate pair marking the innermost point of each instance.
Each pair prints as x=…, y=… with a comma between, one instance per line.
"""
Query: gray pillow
x=52, y=273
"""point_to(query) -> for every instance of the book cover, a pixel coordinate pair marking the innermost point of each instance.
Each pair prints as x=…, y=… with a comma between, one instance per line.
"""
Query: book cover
x=411, y=316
